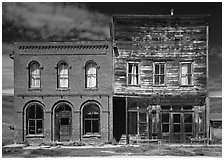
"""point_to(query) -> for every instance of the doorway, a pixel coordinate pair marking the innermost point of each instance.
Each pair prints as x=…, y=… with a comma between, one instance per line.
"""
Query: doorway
x=63, y=123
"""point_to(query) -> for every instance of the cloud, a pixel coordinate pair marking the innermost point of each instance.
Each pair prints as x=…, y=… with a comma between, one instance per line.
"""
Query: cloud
x=56, y=21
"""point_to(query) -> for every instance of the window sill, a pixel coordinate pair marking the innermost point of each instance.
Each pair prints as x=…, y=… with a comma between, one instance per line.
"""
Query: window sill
x=157, y=85
x=63, y=89
x=91, y=135
x=35, y=89
x=35, y=136
x=130, y=85
x=91, y=89
x=186, y=85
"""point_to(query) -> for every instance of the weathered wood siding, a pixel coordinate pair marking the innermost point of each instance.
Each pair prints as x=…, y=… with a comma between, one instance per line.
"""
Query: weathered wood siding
x=160, y=38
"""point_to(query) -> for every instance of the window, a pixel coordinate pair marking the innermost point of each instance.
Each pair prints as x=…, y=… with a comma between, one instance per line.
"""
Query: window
x=34, y=75
x=91, y=119
x=186, y=74
x=63, y=75
x=91, y=74
x=133, y=73
x=34, y=119
x=165, y=122
x=159, y=73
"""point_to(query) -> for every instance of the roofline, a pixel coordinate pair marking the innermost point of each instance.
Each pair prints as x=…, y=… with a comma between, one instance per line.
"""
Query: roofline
x=161, y=16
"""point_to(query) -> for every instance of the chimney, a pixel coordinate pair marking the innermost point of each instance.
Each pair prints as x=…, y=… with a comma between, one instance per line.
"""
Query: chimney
x=171, y=12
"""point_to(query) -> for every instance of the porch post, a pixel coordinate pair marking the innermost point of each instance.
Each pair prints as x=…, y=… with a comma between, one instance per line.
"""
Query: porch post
x=126, y=120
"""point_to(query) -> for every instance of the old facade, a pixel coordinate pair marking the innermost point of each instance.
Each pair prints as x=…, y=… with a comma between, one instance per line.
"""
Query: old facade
x=148, y=82
x=63, y=91
x=160, y=76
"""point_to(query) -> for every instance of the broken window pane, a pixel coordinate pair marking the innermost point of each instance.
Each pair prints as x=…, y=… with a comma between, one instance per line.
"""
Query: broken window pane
x=165, y=128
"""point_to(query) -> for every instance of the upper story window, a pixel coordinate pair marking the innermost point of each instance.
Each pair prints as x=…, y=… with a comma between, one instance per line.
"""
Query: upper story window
x=91, y=74
x=133, y=76
x=186, y=73
x=34, y=75
x=63, y=75
x=159, y=74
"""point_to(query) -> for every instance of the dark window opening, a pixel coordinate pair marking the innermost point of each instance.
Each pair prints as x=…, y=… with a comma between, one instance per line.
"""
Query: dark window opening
x=91, y=119
x=34, y=119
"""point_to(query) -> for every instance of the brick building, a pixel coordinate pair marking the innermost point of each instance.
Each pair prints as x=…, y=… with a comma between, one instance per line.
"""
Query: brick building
x=148, y=82
x=63, y=91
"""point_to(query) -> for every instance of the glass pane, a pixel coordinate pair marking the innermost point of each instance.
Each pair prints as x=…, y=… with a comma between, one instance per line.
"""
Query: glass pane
x=64, y=121
x=162, y=79
x=31, y=112
x=129, y=78
x=95, y=126
x=161, y=68
x=31, y=126
x=165, y=107
x=136, y=68
x=142, y=117
x=189, y=79
x=87, y=126
x=63, y=69
x=188, y=118
x=132, y=120
x=189, y=68
x=39, y=127
x=165, y=117
x=200, y=122
x=188, y=128
x=176, y=118
x=187, y=107
x=176, y=128
x=165, y=128
x=154, y=123
x=129, y=68
x=91, y=81
x=39, y=112
x=184, y=68
x=156, y=79
x=142, y=105
x=156, y=68
x=64, y=83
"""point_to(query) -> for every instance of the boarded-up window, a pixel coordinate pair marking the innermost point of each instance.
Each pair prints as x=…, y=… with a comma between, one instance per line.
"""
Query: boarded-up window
x=133, y=73
x=159, y=73
x=34, y=75
x=186, y=74
x=91, y=74
x=63, y=75
x=34, y=119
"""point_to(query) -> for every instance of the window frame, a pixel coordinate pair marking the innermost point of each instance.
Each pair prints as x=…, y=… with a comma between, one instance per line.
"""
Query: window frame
x=84, y=119
x=58, y=75
x=30, y=75
x=191, y=74
x=86, y=75
x=28, y=134
x=154, y=74
x=128, y=74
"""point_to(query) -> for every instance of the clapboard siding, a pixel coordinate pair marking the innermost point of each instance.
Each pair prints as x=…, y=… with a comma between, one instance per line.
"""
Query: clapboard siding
x=164, y=39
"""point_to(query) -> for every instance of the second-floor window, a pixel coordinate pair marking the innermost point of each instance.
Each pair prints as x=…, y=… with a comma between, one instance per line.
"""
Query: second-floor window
x=34, y=75
x=63, y=76
x=133, y=73
x=159, y=74
x=91, y=74
x=186, y=73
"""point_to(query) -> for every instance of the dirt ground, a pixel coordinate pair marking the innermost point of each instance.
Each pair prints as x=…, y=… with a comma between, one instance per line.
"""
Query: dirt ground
x=138, y=150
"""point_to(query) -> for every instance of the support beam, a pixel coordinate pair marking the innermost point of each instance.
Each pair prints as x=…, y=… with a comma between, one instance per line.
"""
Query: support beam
x=126, y=120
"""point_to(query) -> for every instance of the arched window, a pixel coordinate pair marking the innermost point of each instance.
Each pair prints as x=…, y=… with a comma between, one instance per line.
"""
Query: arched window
x=63, y=75
x=91, y=74
x=34, y=75
x=34, y=119
x=91, y=119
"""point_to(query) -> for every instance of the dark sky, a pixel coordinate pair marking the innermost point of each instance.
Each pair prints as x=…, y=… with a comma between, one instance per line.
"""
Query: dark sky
x=66, y=21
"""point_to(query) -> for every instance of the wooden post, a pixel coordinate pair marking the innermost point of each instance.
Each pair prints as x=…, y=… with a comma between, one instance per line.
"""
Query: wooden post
x=207, y=119
x=126, y=119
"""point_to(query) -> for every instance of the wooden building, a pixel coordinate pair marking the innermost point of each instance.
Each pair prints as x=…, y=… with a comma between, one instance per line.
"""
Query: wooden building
x=160, y=77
